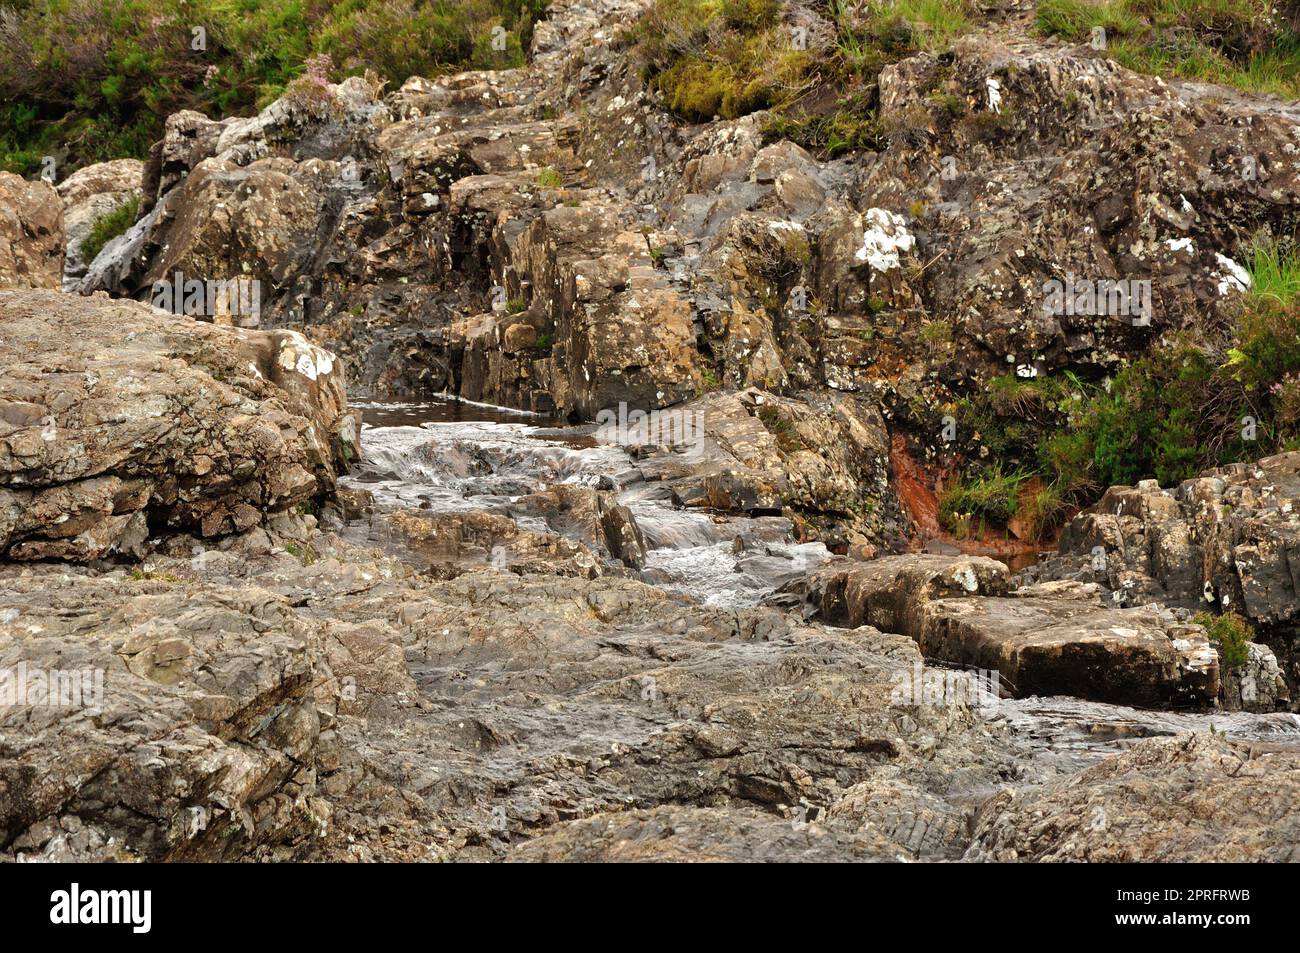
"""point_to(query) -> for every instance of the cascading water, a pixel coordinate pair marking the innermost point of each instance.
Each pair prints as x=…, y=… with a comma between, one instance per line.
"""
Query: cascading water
x=450, y=457
x=445, y=464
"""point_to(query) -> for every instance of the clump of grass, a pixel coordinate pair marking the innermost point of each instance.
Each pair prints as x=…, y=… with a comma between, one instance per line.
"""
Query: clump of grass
x=992, y=497
x=1044, y=508
x=1274, y=271
x=1076, y=19
x=108, y=227
x=936, y=332
x=782, y=428
x=1242, y=43
x=88, y=80
x=548, y=178
x=1231, y=633
x=305, y=554
x=852, y=127
x=931, y=24
x=838, y=115
x=152, y=575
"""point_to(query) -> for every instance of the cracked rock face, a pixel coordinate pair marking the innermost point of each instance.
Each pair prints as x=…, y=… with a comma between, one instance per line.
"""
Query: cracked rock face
x=343, y=707
x=1227, y=540
x=1195, y=799
x=254, y=684
x=117, y=420
x=323, y=701
x=31, y=234
x=551, y=238
x=1224, y=539
x=203, y=735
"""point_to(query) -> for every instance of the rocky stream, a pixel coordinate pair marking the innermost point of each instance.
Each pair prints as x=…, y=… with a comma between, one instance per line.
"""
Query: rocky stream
x=386, y=571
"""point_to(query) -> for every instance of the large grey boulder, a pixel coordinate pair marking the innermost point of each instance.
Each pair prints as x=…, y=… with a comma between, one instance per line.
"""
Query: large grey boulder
x=118, y=422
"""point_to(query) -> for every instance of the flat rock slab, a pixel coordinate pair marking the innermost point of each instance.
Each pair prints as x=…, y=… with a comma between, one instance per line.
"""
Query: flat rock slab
x=1042, y=640
x=1045, y=645
x=889, y=593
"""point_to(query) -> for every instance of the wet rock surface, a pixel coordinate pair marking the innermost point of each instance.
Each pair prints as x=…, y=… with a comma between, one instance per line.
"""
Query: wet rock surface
x=447, y=719
x=507, y=639
x=1197, y=798
x=470, y=685
x=286, y=694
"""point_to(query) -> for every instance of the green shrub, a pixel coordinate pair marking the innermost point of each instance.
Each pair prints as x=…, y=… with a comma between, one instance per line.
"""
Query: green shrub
x=724, y=58
x=1145, y=426
x=108, y=226
x=1182, y=408
x=1196, y=400
x=1231, y=633
x=87, y=80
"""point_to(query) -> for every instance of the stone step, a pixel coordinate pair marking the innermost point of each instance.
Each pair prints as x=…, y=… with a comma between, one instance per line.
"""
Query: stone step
x=1042, y=640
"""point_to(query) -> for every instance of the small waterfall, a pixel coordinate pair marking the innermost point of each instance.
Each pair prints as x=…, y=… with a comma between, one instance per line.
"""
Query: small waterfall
x=429, y=456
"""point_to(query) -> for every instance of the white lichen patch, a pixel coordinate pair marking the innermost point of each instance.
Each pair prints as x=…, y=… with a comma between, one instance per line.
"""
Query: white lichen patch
x=994, y=88
x=1232, y=277
x=884, y=240
x=299, y=354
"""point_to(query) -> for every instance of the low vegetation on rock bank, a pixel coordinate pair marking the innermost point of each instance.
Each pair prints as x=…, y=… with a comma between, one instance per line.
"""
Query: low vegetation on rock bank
x=1251, y=44
x=87, y=80
x=727, y=58
x=1195, y=401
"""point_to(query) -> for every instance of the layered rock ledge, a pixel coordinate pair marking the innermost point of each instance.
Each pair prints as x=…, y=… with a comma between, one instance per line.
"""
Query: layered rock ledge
x=118, y=422
x=1051, y=639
